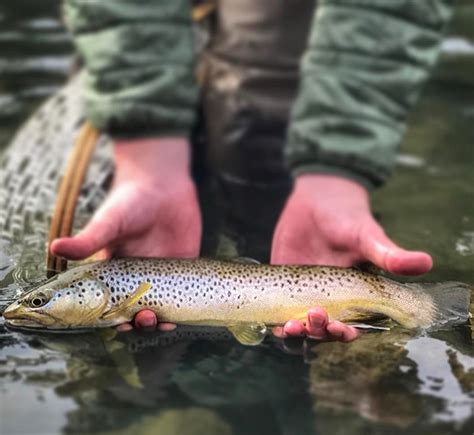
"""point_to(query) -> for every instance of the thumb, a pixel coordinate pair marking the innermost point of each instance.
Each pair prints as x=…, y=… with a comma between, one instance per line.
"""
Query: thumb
x=375, y=246
x=103, y=229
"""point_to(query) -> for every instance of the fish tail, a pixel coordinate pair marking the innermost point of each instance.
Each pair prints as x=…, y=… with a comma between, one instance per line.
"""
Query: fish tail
x=451, y=302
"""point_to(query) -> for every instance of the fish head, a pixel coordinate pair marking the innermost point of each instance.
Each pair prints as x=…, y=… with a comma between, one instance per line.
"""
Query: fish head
x=68, y=301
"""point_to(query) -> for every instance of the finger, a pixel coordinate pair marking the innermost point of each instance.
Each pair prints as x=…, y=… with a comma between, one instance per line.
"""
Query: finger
x=317, y=323
x=294, y=328
x=94, y=237
x=124, y=327
x=376, y=247
x=279, y=332
x=166, y=327
x=340, y=332
x=146, y=320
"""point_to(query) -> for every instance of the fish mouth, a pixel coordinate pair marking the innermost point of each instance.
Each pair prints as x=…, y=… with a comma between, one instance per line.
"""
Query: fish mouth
x=25, y=322
x=27, y=326
x=16, y=317
x=37, y=322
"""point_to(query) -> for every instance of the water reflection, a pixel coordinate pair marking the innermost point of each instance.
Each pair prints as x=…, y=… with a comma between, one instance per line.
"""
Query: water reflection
x=107, y=382
x=397, y=380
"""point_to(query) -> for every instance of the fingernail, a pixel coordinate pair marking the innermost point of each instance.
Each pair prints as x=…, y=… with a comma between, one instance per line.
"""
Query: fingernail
x=316, y=321
x=147, y=324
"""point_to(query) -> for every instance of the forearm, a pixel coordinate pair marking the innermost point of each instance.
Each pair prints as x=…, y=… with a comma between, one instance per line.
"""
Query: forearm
x=362, y=73
x=138, y=56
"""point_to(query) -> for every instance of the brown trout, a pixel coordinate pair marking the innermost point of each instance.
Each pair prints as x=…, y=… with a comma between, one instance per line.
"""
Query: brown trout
x=245, y=297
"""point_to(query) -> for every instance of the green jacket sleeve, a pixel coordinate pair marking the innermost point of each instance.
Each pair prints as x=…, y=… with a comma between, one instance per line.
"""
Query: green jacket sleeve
x=138, y=55
x=361, y=74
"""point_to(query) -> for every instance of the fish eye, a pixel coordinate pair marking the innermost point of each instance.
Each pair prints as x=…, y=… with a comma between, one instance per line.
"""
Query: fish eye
x=38, y=301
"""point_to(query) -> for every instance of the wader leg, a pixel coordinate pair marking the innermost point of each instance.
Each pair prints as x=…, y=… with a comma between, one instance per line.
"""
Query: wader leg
x=251, y=74
x=251, y=78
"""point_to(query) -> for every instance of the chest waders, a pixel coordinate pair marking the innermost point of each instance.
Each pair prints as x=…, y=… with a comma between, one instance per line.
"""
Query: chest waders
x=250, y=82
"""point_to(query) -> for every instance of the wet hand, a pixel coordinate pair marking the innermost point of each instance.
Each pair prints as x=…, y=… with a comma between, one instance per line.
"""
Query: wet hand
x=327, y=221
x=317, y=326
x=146, y=320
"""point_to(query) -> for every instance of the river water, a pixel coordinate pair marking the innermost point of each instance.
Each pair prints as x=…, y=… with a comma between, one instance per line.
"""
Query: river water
x=202, y=382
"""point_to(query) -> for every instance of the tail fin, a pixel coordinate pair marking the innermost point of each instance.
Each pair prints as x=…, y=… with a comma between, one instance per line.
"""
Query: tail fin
x=451, y=301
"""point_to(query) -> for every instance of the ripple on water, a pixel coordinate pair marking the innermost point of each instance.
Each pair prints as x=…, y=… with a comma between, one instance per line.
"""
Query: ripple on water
x=435, y=372
x=465, y=244
x=45, y=23
x=28, y=376
x=52, y=64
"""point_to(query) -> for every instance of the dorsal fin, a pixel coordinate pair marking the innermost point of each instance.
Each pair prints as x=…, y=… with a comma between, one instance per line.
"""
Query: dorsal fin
x=243, y=260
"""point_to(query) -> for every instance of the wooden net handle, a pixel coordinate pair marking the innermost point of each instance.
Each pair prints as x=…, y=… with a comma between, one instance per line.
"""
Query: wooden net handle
x=69, y=189
x=203, y=10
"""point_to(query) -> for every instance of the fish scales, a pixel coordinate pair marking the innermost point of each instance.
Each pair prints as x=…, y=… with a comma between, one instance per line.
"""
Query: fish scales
x=228, y=293
x=223, y=289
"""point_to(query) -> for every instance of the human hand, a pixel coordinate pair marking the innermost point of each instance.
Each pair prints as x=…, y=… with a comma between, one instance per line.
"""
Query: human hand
x=152, y=210
x=327, y=221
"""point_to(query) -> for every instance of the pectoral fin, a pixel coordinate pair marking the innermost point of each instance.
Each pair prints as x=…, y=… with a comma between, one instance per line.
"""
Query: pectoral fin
x=135, y=296
x=249, y=334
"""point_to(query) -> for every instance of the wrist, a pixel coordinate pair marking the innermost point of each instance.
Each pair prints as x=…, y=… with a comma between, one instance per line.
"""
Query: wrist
x=337, y=171
x=331, y=190
x=327, y=182
x=152, y=160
